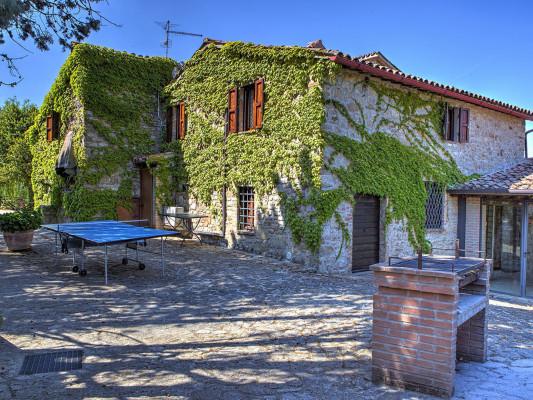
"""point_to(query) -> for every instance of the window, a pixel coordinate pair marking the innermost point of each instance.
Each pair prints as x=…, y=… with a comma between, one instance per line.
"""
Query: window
x=456, y=124
x=246, y=211
x=245, y=107
x=52, y=126
x=434, y=205
x=176, y=122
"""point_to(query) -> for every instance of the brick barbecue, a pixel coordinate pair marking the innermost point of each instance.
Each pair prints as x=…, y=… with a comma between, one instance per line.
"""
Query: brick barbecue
x=429, y=312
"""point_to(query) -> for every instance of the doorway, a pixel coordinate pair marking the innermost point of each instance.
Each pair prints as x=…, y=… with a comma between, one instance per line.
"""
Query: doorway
x=365, y=237
x=147, y=196
x=509, y=242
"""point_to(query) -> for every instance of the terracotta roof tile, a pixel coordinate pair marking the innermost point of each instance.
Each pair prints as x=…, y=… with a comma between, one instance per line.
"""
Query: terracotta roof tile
x=514, y=180
x=338, y=56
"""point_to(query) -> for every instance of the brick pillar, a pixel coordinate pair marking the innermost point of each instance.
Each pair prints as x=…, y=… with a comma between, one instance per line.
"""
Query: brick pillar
x=414, y=329
x=472, y=339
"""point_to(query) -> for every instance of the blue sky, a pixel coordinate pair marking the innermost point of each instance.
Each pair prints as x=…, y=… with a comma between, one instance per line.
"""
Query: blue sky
x=482, y=46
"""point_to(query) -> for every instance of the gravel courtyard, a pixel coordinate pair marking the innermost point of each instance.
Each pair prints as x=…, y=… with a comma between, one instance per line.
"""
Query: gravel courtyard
x=219, y=325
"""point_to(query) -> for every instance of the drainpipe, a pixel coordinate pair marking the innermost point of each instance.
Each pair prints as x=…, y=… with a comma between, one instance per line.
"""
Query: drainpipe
x=224, y=175
x=525, y=138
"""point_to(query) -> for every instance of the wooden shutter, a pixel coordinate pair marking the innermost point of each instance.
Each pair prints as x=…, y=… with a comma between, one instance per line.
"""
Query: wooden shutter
x=182, y=123
x=52, y=126
x=463, y=125
x=49, y=128
x=446, y=123
x=232, y=111
x=170, y=110
x=258, y=103
x=456, y=117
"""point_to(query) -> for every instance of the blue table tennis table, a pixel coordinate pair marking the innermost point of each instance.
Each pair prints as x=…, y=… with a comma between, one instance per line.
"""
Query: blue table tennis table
x=79, y=235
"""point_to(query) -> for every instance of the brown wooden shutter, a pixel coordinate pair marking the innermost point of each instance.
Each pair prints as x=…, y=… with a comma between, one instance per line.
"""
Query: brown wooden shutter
x=52, y=126
x=169, y=123
x=49, y=128
x=463, y=125
x=182, y=125
x=456, y=117
x=232, y=111
x=258, y=103
x=446, y=122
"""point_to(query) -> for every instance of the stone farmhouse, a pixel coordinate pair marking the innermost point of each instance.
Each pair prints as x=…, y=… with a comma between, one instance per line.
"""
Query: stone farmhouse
x=309, y=155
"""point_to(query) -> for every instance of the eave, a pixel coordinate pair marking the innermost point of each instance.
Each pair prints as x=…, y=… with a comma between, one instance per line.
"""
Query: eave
x=433, y=87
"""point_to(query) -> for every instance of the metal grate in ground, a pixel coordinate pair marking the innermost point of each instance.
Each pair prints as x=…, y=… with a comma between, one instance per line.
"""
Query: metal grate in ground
x=68, y=360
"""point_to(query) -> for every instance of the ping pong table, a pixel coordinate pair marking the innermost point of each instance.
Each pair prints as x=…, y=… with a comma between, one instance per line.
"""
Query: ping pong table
x=80, y=235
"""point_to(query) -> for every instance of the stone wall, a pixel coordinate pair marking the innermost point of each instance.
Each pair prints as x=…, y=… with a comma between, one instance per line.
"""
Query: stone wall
x=496, y=141
x=93, y=140
x=270, y=237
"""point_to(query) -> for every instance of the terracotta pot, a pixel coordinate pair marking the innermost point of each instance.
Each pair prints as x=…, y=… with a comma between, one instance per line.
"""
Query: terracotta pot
x=17, y=241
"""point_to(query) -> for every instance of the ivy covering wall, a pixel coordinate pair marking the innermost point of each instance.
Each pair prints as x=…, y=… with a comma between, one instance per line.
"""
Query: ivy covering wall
x=292, y=141
x=107, y=94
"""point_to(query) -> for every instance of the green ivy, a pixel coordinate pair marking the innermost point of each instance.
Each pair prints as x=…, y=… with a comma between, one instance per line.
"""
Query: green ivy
x=291, y=142
x=114, y=94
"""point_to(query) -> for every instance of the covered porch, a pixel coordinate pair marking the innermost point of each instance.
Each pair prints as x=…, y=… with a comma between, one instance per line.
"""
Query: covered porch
x=499, y=206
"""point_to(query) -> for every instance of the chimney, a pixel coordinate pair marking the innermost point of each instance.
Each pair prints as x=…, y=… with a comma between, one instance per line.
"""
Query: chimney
x=316, y=44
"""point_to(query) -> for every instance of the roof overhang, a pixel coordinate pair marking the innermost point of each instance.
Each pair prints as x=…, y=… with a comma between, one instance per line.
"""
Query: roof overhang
x=429, y=87
x=490, y=192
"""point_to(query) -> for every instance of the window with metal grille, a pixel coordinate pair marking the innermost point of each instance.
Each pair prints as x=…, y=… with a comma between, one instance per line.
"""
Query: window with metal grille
x=434, y=205
x=246, y=208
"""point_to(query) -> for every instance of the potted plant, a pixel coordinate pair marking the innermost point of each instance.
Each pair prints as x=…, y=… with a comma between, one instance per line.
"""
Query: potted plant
x=18, y=228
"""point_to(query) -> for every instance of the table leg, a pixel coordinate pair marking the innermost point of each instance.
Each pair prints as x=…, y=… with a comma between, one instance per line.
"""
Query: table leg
x=162, y=256
x=195, y=227
x=105, y=263
x=82, y=255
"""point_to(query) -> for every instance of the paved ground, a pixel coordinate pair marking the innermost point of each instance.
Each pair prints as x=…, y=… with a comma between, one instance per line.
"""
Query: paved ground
x=220, y=325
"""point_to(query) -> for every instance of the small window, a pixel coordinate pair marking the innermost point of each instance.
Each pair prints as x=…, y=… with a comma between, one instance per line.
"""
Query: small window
x=52, y=126
x=456, y=121
x=434, y=205
x=176, y=122
x=245, y=107
x=246, y=209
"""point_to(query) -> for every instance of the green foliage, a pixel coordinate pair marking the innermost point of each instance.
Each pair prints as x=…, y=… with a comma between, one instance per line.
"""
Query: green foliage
x=25, y=219
x=113, y=94
x=382, y=165
x=291, y=143
x=15, y=157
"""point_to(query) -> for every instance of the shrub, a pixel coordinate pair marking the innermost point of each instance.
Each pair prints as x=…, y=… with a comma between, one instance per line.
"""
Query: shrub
x=21, y=220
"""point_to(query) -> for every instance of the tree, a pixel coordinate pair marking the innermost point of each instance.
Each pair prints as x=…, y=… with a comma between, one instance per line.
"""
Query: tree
x=15, y=155
x=44, y=22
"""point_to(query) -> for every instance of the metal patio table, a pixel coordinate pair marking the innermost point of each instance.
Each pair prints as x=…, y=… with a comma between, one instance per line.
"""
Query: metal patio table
x=189, y=221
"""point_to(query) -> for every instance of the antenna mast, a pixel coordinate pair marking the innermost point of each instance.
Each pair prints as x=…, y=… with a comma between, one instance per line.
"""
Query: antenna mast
x=168, y=27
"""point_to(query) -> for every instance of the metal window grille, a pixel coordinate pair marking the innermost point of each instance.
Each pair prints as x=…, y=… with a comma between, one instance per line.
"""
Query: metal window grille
x=246, y=208
x=434, y=205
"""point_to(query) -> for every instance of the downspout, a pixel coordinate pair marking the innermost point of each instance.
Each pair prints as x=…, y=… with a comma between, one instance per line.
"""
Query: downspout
x=525, y=139
x=224, y=176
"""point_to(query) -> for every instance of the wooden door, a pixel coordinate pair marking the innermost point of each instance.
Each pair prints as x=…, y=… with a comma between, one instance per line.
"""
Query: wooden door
x=365, y=238
x=147, y=196
x=130, y=212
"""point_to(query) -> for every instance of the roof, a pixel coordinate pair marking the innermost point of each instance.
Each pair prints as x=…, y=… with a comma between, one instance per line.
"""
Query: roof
x=378, y=58
x=376, y=64
x=515, y=180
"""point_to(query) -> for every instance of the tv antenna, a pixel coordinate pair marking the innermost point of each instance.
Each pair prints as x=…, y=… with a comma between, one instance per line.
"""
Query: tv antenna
x=170, y=30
